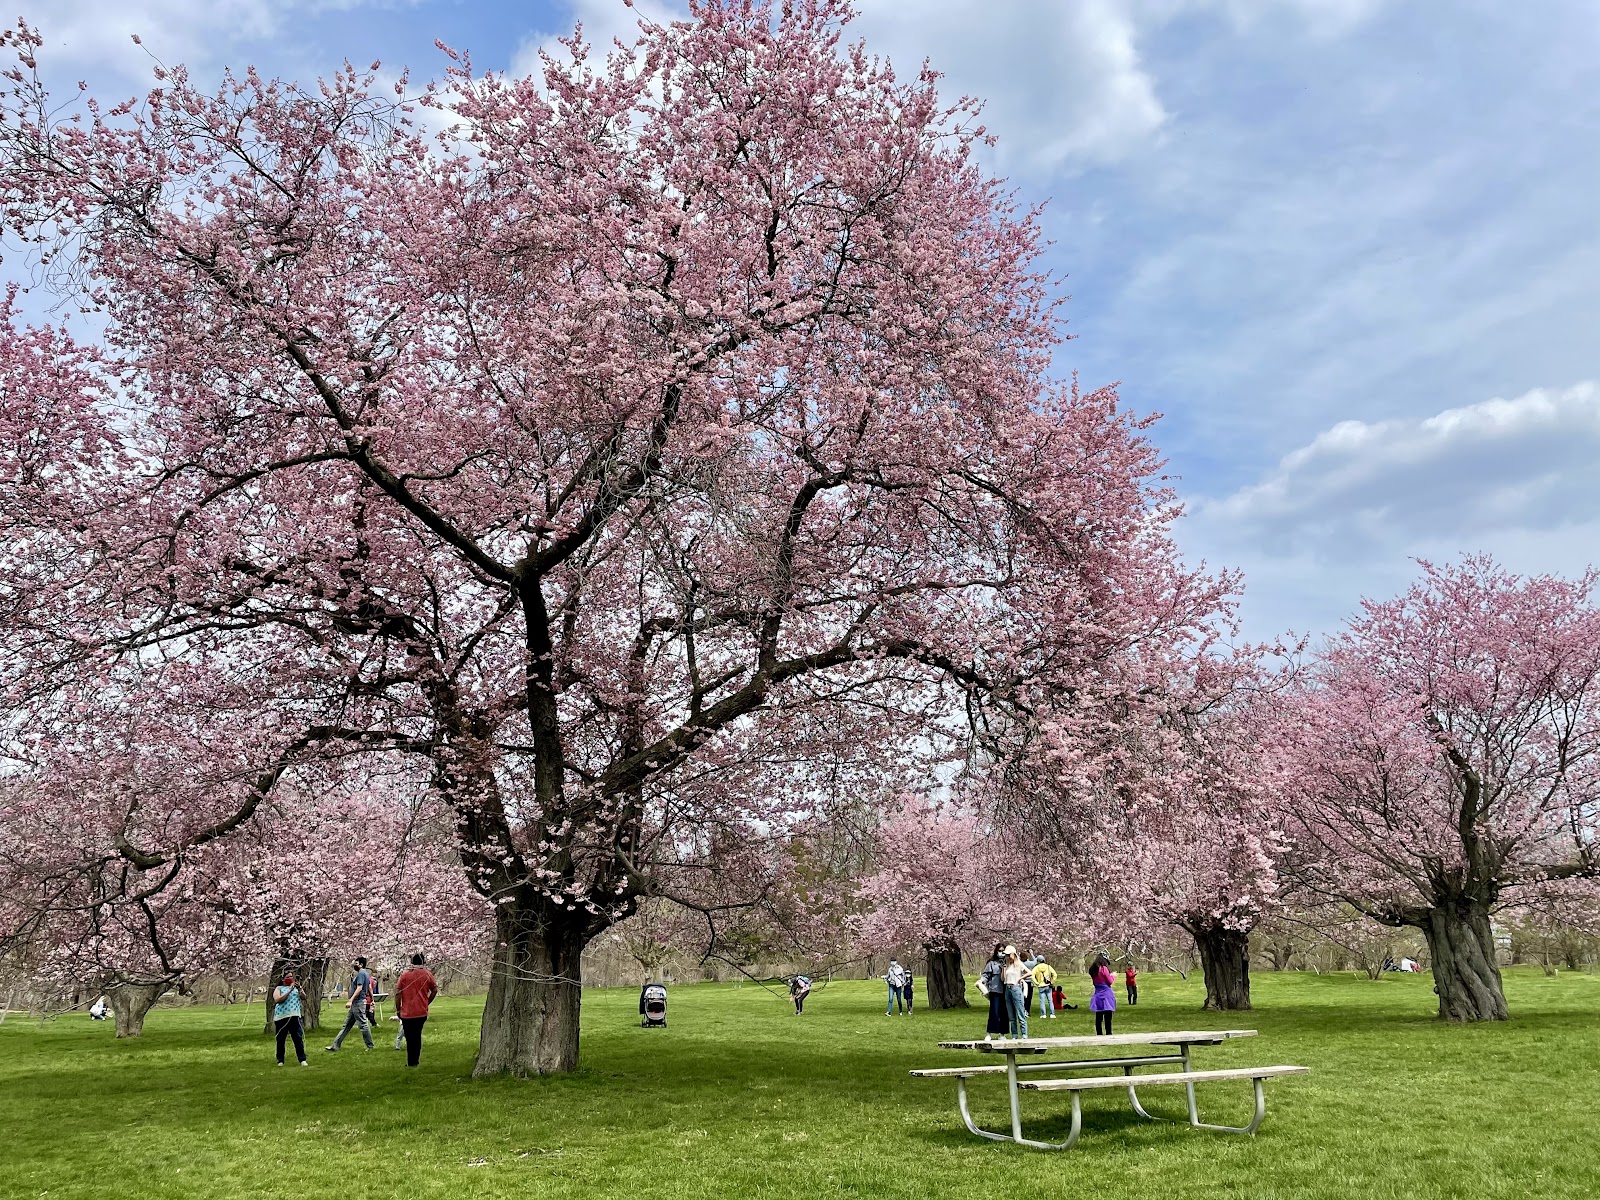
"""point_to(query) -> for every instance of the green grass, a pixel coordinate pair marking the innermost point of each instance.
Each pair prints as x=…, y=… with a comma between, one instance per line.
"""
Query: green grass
x=740, y=1099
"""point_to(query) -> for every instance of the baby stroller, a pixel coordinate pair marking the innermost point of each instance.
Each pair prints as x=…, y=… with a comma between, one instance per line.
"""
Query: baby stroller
x=653, y=1006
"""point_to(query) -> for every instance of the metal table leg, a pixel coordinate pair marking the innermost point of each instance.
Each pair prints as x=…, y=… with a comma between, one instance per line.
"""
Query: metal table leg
x=1255, y=1123
x=1194, y=1116
x=1011, y=1086
x=966, y=1115
x=1133, y=1097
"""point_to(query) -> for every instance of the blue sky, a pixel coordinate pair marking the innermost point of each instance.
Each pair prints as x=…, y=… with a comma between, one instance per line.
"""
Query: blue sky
x=1350, y=248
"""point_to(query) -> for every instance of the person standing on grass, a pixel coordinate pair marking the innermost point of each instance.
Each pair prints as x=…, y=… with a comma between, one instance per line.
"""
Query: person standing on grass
x=356, y=1007
x=413, y=992
x=1103, y=1004
x=1131, y=978
x=1044, y=979
x=1014, y=975
x=910, y=989
x=895, y=977
x=994, y=990
x=288, y=1001
x=799, y=989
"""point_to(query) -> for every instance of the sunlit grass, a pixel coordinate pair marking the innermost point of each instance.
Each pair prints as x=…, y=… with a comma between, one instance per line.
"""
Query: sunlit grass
x=737, y=1097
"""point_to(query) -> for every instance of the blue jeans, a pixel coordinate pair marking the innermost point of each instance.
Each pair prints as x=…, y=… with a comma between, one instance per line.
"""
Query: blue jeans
x=1017, y=1008
x=1046, y=1004
x=895, y=996
x=355, y=1018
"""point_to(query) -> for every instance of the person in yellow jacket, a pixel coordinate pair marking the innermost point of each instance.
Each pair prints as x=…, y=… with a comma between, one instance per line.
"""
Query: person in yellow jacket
x=1044, y=978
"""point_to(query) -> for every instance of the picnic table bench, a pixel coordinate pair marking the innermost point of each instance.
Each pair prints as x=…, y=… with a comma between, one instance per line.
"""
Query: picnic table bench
x=1176, y=1043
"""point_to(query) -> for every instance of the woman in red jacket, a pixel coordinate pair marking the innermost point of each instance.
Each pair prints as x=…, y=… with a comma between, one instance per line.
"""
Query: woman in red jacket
x=413, y=992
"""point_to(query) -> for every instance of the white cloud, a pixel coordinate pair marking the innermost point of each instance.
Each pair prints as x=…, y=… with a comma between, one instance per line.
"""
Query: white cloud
x=604, y=21
x=99, y=33
x=1498, y=463
x=1062, y=80
x=1344, y=515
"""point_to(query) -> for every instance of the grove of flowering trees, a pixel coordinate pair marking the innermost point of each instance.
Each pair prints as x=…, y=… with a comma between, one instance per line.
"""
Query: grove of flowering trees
x=607, y=497
x=675, y=437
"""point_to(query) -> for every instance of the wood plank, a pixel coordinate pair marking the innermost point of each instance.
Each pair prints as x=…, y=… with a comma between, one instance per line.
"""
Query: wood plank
x=1088, y=1064
x=1122, y=1081
x=1179, y=1037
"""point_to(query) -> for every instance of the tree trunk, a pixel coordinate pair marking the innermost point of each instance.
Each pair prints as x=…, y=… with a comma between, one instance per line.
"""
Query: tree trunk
x=312, y=975
x=947, y=988
x=1461, y=945
x=1571, y=953
x=130, y=1002
x=530, y=1020
x=1225, y=962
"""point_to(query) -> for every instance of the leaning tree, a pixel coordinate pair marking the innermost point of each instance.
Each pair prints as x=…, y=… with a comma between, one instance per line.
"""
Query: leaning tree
x=1443, y=760
x=656, y=458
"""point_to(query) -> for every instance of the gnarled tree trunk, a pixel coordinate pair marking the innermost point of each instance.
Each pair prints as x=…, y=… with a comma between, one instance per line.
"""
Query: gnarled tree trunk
x=530, y=1020
x=131, y=1001
x=1225, y=962
x=1461, y=947
x=312, y=976
x=947, y=988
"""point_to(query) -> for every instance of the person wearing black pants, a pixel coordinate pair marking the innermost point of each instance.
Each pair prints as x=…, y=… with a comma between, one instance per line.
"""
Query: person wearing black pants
x=411, y=1030
x=288, y=999
x=1104, y=1001
x=414, y=991
x=990, y=984
x=288, y=1028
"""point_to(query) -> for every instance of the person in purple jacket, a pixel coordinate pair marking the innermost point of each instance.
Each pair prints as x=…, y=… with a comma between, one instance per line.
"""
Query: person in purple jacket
x=1103, y=1004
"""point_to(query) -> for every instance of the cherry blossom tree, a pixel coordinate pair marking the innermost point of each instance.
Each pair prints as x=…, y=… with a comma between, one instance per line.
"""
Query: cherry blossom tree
x=1444, y=759
x=90, y=922
x=319, y=881
x=941, y=880
x=657, y=460
x=1170, y=824
x=347, y=872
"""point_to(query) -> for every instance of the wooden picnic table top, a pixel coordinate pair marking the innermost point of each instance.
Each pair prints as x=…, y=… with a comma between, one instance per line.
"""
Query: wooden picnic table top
x=1179, y=1037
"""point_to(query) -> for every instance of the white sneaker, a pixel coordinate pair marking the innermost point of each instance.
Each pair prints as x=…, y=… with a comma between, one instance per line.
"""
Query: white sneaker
x=304, y=1063
x=280, y=1064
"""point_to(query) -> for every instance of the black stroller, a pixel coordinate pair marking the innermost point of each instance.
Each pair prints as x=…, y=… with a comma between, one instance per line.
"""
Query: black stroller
x=653, y=1006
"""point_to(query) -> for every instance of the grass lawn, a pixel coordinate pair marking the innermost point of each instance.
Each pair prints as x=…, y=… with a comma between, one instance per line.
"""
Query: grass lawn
x=739, y=1098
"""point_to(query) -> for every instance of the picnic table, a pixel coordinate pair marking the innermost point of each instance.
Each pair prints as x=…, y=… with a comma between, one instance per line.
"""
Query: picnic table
x=1175, y=1047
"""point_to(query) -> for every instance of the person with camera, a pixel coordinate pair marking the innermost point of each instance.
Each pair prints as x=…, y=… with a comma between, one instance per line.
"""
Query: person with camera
x=288, y=1003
